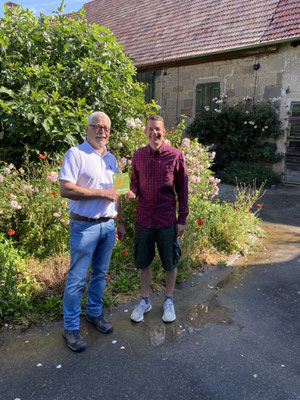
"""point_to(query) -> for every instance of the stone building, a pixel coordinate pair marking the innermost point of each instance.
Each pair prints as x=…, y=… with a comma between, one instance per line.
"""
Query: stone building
x=190, y=51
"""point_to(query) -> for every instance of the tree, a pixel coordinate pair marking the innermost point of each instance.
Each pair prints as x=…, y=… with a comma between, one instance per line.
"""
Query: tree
x=55, y=71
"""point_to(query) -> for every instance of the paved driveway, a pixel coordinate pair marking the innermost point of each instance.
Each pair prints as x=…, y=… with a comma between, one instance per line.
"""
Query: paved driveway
x=236, y=336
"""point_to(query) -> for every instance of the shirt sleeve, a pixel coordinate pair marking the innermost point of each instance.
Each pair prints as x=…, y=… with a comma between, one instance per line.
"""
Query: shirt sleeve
x=134, y=182
x=70, y=167
x=181, y=187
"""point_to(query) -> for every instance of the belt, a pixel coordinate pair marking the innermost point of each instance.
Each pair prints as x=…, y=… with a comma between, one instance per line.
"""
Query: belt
x=80, y=218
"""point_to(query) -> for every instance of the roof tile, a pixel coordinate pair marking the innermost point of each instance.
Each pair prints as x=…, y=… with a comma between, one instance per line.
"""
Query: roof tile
x=155, y=31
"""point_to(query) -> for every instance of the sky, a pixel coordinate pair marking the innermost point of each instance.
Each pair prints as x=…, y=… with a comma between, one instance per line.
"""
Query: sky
x=46, y=6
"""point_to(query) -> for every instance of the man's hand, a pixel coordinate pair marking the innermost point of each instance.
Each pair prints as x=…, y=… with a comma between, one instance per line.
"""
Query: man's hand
x=180, y=229
x=121, y=231
x=130, y=195
x=111, y=194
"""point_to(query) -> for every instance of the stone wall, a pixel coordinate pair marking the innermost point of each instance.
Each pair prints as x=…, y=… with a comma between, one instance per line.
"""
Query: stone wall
x=278, y=79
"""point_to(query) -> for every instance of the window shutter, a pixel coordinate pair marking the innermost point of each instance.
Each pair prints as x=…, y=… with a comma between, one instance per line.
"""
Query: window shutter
x=148, y=79
x=205, y=93
x=294, y=121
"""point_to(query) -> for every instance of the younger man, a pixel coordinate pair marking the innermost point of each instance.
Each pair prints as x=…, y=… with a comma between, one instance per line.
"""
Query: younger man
x=158, y=169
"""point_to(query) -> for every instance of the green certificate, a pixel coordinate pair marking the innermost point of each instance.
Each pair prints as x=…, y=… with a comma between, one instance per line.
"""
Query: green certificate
x=121, y=183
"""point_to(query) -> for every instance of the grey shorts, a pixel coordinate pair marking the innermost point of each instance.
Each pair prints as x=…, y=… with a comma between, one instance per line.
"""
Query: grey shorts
x=167, y=244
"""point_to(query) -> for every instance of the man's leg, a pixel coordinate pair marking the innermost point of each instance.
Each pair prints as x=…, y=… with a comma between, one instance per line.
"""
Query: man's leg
x=83, y=241
x=144, y=244
x=169, y=252
x=100, y=266
x=170, y=281
x=146, y=277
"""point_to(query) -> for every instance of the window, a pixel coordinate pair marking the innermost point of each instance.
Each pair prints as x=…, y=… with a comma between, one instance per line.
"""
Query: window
x=205, y=92
x=147, y=78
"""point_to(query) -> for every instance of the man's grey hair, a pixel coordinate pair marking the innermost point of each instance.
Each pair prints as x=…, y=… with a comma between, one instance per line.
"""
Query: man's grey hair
x=98, y=114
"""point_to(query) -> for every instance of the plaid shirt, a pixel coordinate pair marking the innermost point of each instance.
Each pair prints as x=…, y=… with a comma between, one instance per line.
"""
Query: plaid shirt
x=155, y=174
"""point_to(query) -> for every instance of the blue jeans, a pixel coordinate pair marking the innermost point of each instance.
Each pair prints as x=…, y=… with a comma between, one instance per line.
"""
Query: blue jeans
x=91, y=243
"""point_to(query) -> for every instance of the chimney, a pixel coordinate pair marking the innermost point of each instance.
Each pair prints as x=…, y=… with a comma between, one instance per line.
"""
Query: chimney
x=11, y=4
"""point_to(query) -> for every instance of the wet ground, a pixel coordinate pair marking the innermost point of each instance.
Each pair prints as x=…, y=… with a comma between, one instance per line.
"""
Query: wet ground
x=236, y=336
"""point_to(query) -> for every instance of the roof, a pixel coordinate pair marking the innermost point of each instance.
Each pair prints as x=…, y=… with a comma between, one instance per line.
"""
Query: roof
x=158, y=31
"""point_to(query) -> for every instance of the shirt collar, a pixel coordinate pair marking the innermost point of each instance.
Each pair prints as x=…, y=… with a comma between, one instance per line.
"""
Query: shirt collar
x=91, y=148
x=160, y=150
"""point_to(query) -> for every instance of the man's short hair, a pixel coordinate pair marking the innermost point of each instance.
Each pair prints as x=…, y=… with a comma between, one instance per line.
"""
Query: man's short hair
x=98, y=114
x=155, y=117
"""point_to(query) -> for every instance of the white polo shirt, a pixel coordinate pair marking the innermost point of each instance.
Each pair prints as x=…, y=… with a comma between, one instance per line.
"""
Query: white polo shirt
x=84, y=166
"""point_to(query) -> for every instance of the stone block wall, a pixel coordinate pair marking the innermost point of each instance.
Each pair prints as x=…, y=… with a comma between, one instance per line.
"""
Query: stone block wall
x=278, y=79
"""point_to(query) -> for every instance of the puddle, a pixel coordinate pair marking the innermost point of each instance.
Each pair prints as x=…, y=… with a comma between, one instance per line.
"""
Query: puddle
x=233, y=278
x=211, y=312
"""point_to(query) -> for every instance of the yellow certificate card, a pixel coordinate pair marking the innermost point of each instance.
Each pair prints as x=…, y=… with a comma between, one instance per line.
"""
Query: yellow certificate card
x=121, y=183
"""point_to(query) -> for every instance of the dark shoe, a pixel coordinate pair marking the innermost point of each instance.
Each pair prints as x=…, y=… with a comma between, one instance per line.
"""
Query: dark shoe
x=74, y=340
x=100, y=323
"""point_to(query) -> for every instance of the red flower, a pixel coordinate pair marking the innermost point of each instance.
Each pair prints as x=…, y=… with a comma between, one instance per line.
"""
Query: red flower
x=62, y=161
x=12, y=232
x=54, y=193
x=259, y=205
x=200, y=222
x=124, y=252
x=108, y=277
x=42, y=156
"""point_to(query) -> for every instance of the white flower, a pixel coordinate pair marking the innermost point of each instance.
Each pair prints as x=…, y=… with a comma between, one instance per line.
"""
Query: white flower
x=14, y=204
x=217, y=110
x=12, y=196
x=53, y=176
x=246, y=112
x=266, y=127
x=206, y=108
x=130, y=123
x=245, y=123
x=1, y=178
x=138, y=122
x=21, y=170
x=219, y=101
x=119, y=145
x=1, y=211
x=6, y=170
x=11, y=166
x=57, y=214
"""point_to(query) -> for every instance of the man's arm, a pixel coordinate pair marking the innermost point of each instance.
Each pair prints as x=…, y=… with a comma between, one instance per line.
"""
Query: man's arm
x=71, y=191
x=181, y=187
x=134, y=182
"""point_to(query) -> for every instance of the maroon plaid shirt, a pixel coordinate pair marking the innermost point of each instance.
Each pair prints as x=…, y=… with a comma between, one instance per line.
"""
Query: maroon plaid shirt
x=155, y=174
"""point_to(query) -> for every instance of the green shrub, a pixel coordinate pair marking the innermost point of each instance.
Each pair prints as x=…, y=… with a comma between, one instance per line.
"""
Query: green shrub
x=240, y=131
x=246, y=173
x=31, y=209
x=54, y=72
x=17, y=288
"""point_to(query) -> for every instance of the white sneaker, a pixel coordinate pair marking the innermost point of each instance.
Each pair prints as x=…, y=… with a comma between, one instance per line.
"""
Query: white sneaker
x=169, y=311
x=137, y=314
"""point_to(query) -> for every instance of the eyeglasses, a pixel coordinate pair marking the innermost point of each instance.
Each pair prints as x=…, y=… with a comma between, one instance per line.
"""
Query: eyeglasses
x=98, y=128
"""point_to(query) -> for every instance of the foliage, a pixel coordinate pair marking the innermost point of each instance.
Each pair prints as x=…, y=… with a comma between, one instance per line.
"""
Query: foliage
x=34, y=215
x=31, y=209
x=239, y=131
x=54, y=71
x=17, y=287
x=243, y=172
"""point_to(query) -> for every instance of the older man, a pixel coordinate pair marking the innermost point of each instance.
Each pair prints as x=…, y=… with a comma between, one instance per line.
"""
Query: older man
x=158, y=171
x=86, y=179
